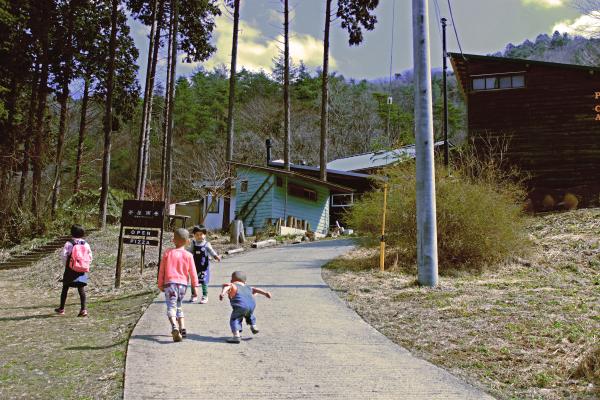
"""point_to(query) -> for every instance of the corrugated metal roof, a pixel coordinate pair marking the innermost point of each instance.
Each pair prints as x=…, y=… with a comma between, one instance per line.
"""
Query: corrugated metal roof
x=377, y=159
x=332, y=186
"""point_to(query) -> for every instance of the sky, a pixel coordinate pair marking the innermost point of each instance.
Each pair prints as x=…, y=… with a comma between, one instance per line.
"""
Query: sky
x=483, y=27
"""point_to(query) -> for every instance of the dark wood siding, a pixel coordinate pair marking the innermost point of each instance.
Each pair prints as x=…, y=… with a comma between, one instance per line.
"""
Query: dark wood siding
x=549, y=124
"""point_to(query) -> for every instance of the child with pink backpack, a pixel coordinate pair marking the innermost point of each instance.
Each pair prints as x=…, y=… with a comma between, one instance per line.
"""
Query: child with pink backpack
x=77, y=257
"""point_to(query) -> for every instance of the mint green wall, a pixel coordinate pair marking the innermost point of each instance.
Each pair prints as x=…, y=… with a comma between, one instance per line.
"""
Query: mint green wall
x=315, y=212
x=273, y=203
x=262, y=211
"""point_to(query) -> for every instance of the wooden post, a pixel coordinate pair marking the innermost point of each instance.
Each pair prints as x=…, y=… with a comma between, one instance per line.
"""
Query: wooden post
x=119, y=257
x=382, y=245
x=143, y=256
x=160, y=244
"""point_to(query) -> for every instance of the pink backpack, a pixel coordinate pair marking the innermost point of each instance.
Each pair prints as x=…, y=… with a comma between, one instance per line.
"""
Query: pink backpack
x=80, y=258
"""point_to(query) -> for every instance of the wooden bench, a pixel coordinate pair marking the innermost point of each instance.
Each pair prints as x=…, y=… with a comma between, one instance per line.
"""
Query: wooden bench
x=174, y=217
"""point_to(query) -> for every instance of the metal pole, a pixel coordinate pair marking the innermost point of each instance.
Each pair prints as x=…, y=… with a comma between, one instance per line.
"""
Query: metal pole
x=426, y=219
x=382, y=245
x=445, y=84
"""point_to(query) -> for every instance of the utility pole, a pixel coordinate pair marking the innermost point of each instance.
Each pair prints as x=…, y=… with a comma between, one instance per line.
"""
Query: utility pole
x=445, y=84
x=427, y=262
x=286, y=87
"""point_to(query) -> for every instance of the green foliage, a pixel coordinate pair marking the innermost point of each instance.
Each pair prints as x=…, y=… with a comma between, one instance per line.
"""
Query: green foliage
x=84, y=204
x=479, y=219
x=356, y=16
x=562, y=48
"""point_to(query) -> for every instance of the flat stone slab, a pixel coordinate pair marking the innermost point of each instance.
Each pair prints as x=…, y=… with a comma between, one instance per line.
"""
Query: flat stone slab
x=310, y=345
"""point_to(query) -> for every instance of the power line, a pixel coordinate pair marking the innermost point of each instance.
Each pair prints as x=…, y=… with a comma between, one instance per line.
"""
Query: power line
x=438, y=15
x=392, y=44
x=454, y=27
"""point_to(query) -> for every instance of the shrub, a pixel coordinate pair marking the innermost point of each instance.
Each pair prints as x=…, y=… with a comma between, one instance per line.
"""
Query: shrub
x=479, y=216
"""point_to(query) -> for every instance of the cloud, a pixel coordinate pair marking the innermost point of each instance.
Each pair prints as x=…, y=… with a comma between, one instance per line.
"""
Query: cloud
x=545, y=3
x=586, y=25
x=256, y=51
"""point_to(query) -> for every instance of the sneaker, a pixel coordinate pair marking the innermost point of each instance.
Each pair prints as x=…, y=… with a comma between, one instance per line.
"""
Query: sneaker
x=183, y=333
x=234, y=339
x=194, y=299
x=176, y=335
x=59, y=311
x=254, y=330
x=204, y=300
x=82, y=313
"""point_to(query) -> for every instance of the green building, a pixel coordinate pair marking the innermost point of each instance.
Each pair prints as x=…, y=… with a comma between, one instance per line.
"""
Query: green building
x=266, y=194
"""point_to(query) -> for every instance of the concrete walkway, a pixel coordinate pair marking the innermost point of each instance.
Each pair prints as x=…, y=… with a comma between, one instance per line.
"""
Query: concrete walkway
x=311, y=346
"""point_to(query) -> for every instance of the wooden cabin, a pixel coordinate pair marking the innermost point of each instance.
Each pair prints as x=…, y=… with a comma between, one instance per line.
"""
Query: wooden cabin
x=548, y=115
x=266, y=194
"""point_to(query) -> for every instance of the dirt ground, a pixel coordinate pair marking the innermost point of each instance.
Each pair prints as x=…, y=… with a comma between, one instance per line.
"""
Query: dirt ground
x=45, y=356
x=519, y=331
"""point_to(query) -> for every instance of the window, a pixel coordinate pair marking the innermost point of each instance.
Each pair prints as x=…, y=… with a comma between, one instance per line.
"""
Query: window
x=244, y=186
x=518, y=81
x=342, y=200
x=299, y=191
x=479, y=84
x=491, y=83
x=213, y=206
x=505, y=82
x=499, y=82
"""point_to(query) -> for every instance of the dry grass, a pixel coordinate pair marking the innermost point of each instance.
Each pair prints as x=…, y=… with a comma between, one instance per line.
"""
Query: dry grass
x=523, y=330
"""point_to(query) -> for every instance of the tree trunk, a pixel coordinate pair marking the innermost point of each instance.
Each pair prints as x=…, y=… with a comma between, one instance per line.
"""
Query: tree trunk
x=325, y=95
x=151, y=96
x=64, y=101
x=166, y=123
x=9, y=162
x=230, y=108
x=169, y=155
x=37, y=156
x=29, y=135
x=82, y=123
x=108, y=115
x=286, y=88
x=140, y=182
x=60, y=139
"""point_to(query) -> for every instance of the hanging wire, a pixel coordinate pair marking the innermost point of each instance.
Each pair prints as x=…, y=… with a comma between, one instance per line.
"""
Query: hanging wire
x=438, y=16
x=392, y=44
x=454, y=27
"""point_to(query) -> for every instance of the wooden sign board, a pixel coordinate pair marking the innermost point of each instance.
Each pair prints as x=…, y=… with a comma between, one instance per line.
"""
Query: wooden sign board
x=143, y=214
x=138, y=216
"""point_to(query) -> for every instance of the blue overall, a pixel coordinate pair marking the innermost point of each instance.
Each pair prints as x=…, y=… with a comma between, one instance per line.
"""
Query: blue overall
x=243, y=305
x=201, y=261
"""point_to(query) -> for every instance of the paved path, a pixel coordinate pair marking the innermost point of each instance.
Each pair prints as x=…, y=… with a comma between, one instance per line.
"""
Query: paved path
x=311, y=346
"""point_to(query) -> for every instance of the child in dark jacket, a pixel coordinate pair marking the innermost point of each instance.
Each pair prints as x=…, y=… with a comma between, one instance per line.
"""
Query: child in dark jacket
x=242, y=301
x=202, y=250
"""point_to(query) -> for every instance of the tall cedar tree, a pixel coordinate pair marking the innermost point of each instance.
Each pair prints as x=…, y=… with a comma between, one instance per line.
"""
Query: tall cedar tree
x=108, y=116
x=191, y=33
x=355, y=15
x=150, y=13
x=42, y=19
x=68, y=12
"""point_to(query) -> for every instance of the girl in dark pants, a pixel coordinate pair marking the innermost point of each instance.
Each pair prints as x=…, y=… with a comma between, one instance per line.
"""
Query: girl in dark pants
x=73, y=278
